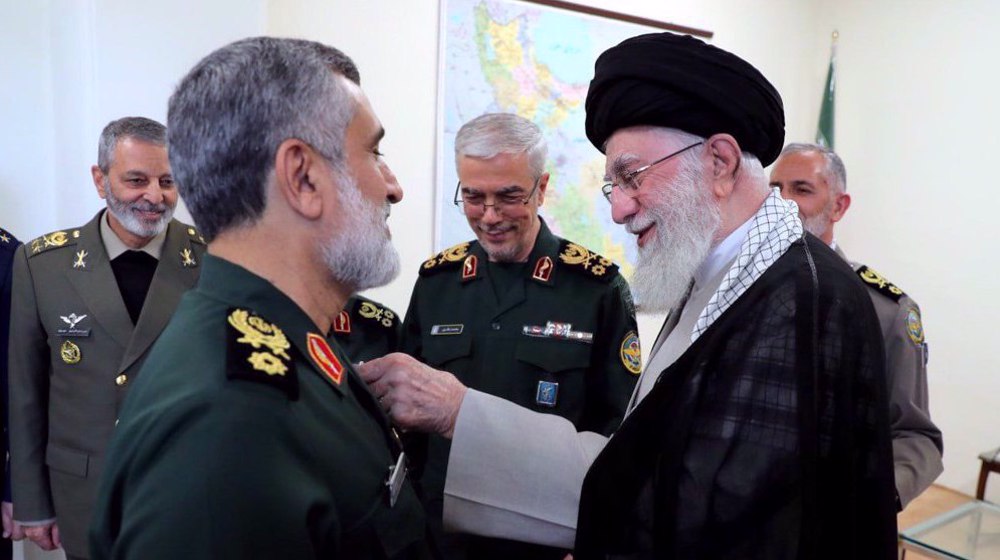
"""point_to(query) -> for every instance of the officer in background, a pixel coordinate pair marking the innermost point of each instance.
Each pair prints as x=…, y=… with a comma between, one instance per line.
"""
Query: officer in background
x=8, y=244
x=248, y=435
x=366, y=329
x=88, y=303
x=519, y=313
x=815, y=178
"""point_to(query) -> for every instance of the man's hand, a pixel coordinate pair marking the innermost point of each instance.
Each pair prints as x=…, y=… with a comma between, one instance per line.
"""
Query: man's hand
x=45, y=536
x=414, y=395
x=11, y=529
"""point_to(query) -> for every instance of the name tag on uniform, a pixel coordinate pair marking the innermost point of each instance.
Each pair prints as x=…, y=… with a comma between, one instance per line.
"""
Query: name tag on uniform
x=440, y=330
x=562, y=331
x=72, y=320
x=397, y=474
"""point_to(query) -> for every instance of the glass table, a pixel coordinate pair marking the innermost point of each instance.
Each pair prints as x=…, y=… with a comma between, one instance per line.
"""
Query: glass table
x=970, y=531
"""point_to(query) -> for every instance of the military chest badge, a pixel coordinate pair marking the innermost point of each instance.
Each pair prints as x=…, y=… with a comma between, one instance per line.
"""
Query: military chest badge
x=72, y=320
x=70, y=353
x=547, y=393
x=324, y=358
x=631, y=354
x=553, y=329
x=914, y=326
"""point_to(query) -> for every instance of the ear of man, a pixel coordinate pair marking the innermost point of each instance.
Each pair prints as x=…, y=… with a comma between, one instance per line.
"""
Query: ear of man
x=98, y=176
x=840, y=205
x=724, y=153
x=299, y=173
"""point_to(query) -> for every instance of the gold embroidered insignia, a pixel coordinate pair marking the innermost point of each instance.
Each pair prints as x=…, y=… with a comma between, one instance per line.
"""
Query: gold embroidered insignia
x=257, y=333
x=48, y=241
x=79, y=262
x=450, y=255
x=914, y=326
x=880, y=283
x=631, y=354
x=70, y=353
x=268, y=363
x=371, y=311
x=4, y=238
x=187, y=258
x=577, y=255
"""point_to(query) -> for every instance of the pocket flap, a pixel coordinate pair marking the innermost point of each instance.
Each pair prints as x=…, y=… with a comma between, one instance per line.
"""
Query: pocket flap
x=67, y=460
x=553, y=354
x=441, y=349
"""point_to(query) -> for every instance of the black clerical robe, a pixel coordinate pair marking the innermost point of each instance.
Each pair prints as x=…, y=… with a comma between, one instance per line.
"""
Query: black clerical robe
x=768, y=438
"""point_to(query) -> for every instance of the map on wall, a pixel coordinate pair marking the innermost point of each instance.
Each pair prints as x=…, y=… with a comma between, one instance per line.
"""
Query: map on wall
x=535, y=61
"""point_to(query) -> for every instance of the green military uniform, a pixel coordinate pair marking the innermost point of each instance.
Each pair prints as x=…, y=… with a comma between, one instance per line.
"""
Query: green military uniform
x=247, y=437
x=74, y=352
x=366, y=329
x=561, y=339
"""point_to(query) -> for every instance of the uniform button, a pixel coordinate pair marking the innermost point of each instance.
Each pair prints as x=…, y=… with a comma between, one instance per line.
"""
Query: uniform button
x=496, y=326
x=121, y=380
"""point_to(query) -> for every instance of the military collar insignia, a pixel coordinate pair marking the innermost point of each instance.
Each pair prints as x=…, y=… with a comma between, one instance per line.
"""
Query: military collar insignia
x=470, y=267
x=543, y=270
x=586, y=262
x=384, y=317
x=342, y=324
x=49, y=241
x=79, y=262
x=257, y=350
x=879, y=283
x=70, y=353
x=324, y=358
x=630, y=353
x=187, y=258
x=448, y=258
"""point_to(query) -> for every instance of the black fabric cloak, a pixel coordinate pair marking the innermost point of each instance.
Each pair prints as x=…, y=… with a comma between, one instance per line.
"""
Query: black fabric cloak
x=767, y=439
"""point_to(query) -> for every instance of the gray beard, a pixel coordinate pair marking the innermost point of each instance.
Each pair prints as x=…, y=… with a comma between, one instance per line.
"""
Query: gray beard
x=818, y=224
x=686, y=220
x=122, y=211
x=362, y=256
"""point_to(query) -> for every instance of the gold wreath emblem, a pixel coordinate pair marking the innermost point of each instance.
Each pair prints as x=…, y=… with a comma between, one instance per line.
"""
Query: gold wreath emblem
x=54, y=239
x=70, y=353
x=268, y=363
x=579, y=255
x=877, y=279
x=257, y=332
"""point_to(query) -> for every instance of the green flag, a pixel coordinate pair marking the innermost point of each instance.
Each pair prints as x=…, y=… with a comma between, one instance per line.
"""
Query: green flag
x=824, y=129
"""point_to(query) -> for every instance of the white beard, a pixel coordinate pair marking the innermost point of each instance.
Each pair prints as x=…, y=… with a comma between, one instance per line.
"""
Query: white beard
x=362, y=256
x=820, y=223
x=123, y=212
x=686, y=220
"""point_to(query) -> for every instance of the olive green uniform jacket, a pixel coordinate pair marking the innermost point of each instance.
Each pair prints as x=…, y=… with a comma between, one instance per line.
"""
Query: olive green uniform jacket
x=917, y=443
x=244, y=439
x=74, y=353
x=562, y=341
x=366, y=329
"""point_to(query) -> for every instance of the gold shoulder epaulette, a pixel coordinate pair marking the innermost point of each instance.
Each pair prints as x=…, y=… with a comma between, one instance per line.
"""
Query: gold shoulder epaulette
x=450, y=257
x=194, y=235
x=588, y=263
x=377, y=312
x=258, y=350
x=877, y=282
x=51, y=241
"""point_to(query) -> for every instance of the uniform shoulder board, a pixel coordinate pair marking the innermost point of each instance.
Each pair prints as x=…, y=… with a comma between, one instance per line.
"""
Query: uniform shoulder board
x=588, y=263
x=7, y=238
x=449, y=258
x=376, y=312
x=879, y=283
x=51, y=241
x=194, y=234
x=257, y=350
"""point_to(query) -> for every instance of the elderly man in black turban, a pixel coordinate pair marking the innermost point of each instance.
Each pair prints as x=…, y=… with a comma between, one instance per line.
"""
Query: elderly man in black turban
x=759, y=428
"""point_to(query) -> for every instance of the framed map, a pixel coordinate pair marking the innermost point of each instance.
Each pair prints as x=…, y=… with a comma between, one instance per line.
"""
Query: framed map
x=536, y=61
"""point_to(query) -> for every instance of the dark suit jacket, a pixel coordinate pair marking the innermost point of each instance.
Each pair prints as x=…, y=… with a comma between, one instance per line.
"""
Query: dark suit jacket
x=74, y=353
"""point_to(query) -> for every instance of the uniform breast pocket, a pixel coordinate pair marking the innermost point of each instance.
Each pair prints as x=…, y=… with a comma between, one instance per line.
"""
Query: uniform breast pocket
x=439, y=350
x=554, y=355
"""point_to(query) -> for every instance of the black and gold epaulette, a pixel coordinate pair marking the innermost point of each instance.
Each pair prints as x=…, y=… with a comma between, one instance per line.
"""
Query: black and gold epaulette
x=257, y=350
x=584, y=261
x=194, y=235
x=449, y=258
x=51, y=241
x=877, y=282
x=7, y=238
x=376, y=312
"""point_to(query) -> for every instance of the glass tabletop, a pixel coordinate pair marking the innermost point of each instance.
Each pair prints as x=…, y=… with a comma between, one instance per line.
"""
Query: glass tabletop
x=970, y=531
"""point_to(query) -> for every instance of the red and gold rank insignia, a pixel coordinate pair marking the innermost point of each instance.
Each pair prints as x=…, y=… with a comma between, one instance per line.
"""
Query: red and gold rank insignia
x=342, y=324
x=325, y=359
x=631, y=354
x=469, y=267
x=543, y=269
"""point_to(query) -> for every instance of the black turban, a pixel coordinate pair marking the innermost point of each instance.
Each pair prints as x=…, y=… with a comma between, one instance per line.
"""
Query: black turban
x=677, y=81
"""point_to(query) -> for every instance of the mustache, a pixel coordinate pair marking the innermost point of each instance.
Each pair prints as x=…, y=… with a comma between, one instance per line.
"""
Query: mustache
x=146, y=206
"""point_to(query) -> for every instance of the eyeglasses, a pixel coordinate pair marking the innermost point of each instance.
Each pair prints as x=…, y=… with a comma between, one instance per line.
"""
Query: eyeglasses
x=474, y=203
x=628, y=184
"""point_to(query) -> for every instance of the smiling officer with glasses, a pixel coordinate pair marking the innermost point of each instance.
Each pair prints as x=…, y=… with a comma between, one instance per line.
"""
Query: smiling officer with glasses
x=519, y=313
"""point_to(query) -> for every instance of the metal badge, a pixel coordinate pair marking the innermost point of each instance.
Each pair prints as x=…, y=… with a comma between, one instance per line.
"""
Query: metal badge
x=70, y=353
x=441, y=330
x=547, y=393
x=187, y=258
x=397, y=474
x=562, y=331
x=80, y=262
